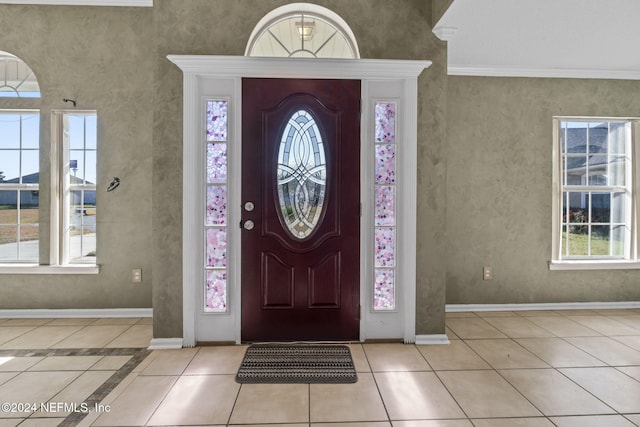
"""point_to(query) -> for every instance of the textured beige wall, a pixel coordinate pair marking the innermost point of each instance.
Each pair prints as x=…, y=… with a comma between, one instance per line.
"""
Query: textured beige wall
x=102, y=58
x=222, y=27
x=499, y=188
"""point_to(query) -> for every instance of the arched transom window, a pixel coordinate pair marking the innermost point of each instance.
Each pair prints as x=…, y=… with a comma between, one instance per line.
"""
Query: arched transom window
x=302, y=30
x=16, y=78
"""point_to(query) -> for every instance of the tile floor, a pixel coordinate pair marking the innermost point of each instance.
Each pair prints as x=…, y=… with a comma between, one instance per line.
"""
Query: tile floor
x=546, y=368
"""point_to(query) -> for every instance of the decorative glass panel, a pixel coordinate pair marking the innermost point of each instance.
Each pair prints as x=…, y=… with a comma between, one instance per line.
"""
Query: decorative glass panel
x=302, y=175
x=215, y=215
x=385, y=164
x=216, y=291
x=385, y=116
x=384, y=293
x=216, y=120
x=217, y=205
x=216, y=247
x=18, y=80
x=385, y=205
x=217, y=163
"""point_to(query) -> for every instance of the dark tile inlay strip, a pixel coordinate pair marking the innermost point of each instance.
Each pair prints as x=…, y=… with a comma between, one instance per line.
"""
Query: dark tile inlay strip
x=137, y=356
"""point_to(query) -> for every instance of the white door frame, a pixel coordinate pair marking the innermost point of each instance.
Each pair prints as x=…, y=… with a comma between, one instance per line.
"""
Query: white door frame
x=221, y=76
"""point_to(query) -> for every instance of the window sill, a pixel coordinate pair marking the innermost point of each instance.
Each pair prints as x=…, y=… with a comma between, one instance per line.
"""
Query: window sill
x=48, y=269
x=593, y=265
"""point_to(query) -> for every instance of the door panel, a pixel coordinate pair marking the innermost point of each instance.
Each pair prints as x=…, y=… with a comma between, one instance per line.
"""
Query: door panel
x=301, y=172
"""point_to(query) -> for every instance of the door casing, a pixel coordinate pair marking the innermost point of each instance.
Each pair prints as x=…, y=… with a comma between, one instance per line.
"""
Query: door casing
x=220, y=76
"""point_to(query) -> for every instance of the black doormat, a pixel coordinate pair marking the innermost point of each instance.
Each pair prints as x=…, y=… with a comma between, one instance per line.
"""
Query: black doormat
x=275, y=364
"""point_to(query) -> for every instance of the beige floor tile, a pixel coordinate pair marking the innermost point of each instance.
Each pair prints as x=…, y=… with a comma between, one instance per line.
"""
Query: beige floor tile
x=608, y=350
x=8, y=333
x=271, y=403
x=632, y=321
x=135, y=337
x=395, y=357
x=559, y=353
x=65, y=363
x=145, y=321
x=634, y=419
x=41, y=422
x=452, y=335
x=513, y=422
x=433, y=423
x=77, y=392
x=16, y=364
x=455, y=356
x=110, y=363
x=614, y=388
x=538, y=313
x=630, y=341
x=605, y=325
x=416, y=395
x=5, y=422
x=41, y=337
x=518, y=327
x=456, y=314
x=197, y=400
x=506, y=354
x=347, y=402
x=579, y=312
x=92, y=337
x=592, y=421
x=491, y=314
x=485, y=394
x=72, y=321
x=563, y=326
x=137, y=402
x=4, y=377
x=170, y=362
x=369, y=424
x=110, y=321
x=217, y=360
x=34, y=387
x=473, y=328
x=553, y=394
x=360, y=361
x=632, y=371
x=26, y=322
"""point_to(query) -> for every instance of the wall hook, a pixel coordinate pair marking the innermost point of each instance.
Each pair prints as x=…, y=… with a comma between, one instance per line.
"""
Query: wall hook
x=70, y=100
x=114, y=184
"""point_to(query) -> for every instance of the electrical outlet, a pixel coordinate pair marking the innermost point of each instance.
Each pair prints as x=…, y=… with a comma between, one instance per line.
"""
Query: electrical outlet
x=136, y=275
x=487, y=273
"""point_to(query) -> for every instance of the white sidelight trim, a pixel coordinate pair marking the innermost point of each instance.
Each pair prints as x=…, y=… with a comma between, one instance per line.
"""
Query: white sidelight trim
x=622, y=305
x=74, y=313
x=165, y=344
x=203, y=77
x=434, y=339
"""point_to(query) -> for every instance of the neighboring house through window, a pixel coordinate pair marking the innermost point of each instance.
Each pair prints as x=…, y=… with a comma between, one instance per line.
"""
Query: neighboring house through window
x=595, y=192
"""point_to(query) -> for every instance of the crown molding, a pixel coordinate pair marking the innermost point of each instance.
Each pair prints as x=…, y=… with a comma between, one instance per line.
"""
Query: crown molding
x=125, y=3
x=559, y=73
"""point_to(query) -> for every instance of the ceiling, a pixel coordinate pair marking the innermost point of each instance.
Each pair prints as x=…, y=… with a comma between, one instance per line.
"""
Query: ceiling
x=543, y=38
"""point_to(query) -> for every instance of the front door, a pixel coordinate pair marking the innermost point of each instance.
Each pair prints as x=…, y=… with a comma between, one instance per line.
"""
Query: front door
x=300, y=209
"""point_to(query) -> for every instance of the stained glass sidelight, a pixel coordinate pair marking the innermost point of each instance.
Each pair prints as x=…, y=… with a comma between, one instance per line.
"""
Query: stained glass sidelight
x=302, y=175
x=384, y=295
x=215, y=218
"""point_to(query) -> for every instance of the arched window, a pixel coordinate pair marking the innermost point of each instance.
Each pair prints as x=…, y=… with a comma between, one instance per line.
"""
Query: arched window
x=17, y=80
x=302, y=30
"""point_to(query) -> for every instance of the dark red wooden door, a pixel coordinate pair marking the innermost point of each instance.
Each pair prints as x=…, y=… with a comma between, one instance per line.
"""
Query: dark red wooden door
x=300, y=209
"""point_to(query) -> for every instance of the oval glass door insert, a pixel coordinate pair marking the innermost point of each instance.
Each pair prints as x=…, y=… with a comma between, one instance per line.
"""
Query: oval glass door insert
x=301, y=175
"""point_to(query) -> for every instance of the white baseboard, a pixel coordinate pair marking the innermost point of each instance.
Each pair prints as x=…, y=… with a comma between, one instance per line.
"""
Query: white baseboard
x=165, y=344
x=433, y=339
x=453, y=308
x=75, y=313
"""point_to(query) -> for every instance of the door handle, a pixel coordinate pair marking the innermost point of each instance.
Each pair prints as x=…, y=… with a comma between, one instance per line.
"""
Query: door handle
x=248, y=225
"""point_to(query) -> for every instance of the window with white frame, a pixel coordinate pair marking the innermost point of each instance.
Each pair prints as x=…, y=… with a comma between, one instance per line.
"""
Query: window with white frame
x=74, y=188
x=595, y=195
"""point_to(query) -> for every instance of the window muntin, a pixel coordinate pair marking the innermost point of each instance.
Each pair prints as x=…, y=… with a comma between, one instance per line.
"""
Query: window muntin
x=215, y=218
x=596, y=196
x=19, y=186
